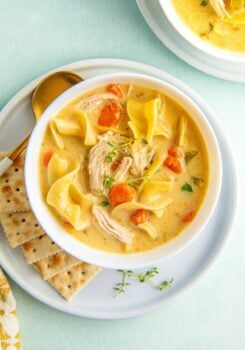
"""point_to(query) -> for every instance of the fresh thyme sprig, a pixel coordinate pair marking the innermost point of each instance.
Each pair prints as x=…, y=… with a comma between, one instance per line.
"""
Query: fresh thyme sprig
x=138, y=180
x=164, y=285
x=148, y=275
x=120, y=287
x=142, y=277
x=108, y=180
x=118, y=148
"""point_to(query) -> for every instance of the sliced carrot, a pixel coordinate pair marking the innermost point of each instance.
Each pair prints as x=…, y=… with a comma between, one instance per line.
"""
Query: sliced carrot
x=68, y=226
x=116, y=164
x=139, y=216
x=121, y=193
x=173, y=164
x=115, y=89
x=46, y=157
x=189, y=216
x=111, y=115
x=175, y=152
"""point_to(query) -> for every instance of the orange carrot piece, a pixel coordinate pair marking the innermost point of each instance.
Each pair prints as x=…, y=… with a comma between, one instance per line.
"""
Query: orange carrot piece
x=139, y=216
x=116, y=164
x=121, y=193
x=189, y=216
x=46, y=157
x=115, y=89
x=68, y=226
x=111, y=115
x=173, y=164
x=175, y=152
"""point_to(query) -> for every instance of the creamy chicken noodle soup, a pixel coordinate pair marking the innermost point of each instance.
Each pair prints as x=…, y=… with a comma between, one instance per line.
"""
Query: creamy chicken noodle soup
x=123, y=168
x=221, y=22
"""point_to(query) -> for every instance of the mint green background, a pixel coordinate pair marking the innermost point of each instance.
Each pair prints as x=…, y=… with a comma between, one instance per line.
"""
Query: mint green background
x=36, y=36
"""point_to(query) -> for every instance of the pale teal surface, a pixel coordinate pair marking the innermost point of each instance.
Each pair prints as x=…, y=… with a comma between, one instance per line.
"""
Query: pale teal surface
x=36, y=36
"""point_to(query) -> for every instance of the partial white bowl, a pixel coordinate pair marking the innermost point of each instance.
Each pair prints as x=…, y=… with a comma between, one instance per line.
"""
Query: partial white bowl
x=102, y=258
x=182, y=28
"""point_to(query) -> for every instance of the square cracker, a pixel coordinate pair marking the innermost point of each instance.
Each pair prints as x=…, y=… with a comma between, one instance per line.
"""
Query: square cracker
x=20, y=227
x=69, y=283
x=39, y=248
x=55, y=264
x=13, y=196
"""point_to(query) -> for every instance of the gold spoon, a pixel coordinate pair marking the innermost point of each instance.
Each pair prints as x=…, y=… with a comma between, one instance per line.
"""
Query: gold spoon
x=45, y=92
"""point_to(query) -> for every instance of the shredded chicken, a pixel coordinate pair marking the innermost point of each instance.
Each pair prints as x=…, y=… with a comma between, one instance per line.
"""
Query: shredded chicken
x=89, y=103
x=111, y=226
x=219, y=8
x=142, y=156
x=99, y=165
x=123, y=169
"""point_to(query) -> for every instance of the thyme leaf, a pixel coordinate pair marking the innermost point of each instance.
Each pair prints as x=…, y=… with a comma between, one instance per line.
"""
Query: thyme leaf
x=104, y=203
x=108, y=179
x=120, y=287
x=197, y=181
x=148, y=275
x=204, y=2
x=190, y=155
x=164, y=285
x=187, y=187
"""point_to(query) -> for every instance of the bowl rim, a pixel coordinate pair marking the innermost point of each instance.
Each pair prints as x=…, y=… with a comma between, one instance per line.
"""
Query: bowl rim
x=183, y=29
x=114, y=260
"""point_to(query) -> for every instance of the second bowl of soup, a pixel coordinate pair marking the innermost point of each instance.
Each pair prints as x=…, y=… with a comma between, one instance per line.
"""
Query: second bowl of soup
x=123, y=170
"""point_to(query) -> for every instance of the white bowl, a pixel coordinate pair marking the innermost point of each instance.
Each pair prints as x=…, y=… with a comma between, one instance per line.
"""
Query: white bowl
x=85, y=252
x=182, y=28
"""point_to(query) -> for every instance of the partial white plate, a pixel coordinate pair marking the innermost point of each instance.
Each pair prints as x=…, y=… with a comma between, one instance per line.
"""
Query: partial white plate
x=96, y=300
x=164, y=30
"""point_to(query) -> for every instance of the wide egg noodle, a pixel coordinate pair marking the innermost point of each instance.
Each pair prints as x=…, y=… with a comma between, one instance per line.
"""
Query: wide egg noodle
x=147, y=119
x=57, y=167
x=153, y=195
x=149, y=229
x=55, y=134
x=182, y=131
x=78, y=125
x=69, y=202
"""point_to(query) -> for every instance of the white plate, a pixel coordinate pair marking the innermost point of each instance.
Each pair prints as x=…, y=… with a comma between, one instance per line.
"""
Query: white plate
x=96, y=301
x=160, y=25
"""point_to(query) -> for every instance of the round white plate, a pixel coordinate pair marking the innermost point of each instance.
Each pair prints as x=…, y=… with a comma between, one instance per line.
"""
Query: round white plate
x=96, y=300
x=160, y=25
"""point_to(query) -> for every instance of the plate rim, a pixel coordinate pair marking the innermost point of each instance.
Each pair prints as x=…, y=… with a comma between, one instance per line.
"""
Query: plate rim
x=144, y=5
x=147, y=69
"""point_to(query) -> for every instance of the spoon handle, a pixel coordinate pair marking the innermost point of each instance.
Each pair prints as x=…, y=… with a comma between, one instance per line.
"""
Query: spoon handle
x=6, y=162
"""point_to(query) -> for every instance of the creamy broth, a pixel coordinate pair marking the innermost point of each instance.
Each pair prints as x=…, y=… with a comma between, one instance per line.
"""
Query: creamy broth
x=226, y=33
x=165, y=199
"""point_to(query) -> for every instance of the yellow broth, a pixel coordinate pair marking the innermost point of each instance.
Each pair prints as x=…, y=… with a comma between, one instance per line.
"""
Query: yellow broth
x=171, y=223
x=204, y=22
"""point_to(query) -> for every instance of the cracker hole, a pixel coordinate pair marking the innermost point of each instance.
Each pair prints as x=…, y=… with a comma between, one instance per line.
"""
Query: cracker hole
x=36, y=225
x=17, y=189
x=69, y=286
x=16, y=169
x=23, y=220
x=48, y=266
x=69, y=272
x=83, y=273
x=34, y=250
x=18, y=233
x=8, y=201
x=6, y=180
x=52, y=242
